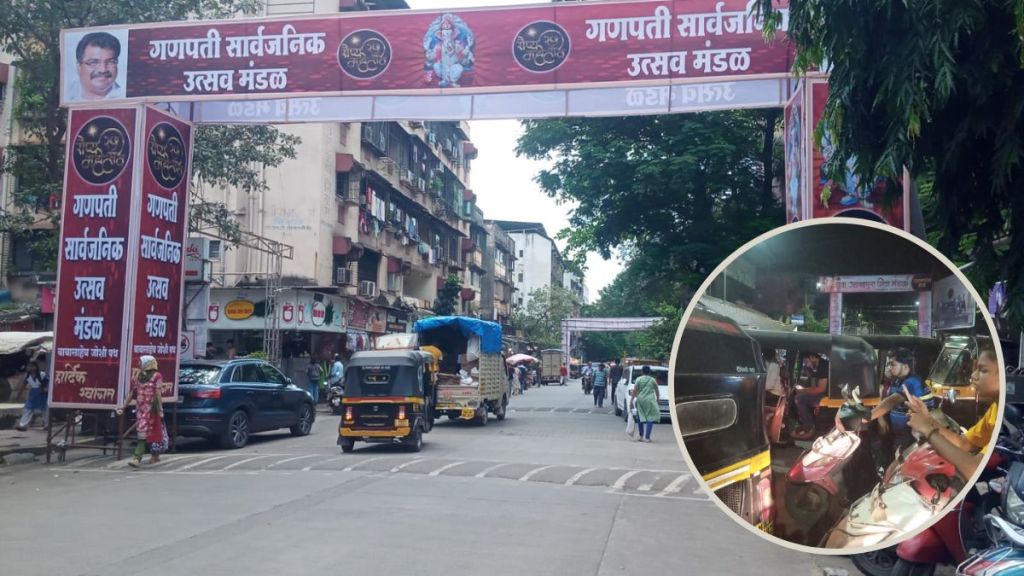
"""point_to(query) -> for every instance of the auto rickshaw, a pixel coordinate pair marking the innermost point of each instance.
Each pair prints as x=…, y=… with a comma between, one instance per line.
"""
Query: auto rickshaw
x=852, y=363
x=389, y=398
x=718, y=389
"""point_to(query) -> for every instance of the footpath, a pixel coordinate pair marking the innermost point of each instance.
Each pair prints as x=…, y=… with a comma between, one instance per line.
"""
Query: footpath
x=17, y=447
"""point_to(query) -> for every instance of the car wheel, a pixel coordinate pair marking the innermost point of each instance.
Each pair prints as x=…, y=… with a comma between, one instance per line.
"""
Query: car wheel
x=347, y=445
x=500, y=414
x=237, y=434
x=305, y=424
x=481, y=420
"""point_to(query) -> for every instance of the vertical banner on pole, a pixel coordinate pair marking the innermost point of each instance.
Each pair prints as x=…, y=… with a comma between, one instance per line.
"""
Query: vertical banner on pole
x=849, y=196
x=93, y=266
x=924, y=313
x=835, y=313
x=165, y=151
x=795, y=151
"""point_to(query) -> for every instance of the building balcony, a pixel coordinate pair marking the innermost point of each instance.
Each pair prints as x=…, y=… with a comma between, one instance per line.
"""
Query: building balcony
x=476, y=259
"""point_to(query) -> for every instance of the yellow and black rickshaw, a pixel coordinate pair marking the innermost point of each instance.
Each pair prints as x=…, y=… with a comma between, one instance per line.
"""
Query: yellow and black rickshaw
x=389, y=398
x=719, y=390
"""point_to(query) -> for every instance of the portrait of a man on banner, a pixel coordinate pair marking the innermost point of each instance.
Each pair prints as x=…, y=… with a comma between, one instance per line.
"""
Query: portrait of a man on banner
x=93, y=67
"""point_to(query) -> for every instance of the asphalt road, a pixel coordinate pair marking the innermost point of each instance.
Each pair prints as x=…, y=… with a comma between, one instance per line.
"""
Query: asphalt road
x=557, y=488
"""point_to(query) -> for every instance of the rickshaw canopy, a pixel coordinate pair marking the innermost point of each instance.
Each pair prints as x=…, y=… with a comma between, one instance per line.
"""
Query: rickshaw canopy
x=391, y=358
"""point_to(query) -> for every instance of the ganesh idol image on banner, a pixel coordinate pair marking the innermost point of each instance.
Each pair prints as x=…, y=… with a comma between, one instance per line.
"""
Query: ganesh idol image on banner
x=95, y=65
x=448, y=49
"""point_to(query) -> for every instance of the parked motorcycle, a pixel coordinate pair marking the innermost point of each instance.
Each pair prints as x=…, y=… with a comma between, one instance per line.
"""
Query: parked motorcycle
x=334, y=394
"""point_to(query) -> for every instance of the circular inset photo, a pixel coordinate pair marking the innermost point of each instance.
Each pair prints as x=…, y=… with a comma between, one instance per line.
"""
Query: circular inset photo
x=837, y=386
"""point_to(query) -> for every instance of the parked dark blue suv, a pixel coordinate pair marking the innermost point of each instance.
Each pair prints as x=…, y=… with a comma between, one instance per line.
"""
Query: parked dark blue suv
x=228, y=400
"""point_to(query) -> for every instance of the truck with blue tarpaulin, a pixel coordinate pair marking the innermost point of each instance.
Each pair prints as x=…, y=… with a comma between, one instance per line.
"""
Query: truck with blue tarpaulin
x=471, y=382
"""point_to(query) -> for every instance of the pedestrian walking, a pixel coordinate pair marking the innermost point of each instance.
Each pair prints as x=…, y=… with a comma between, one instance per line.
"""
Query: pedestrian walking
x=38, y=384
x=600, y=385
x=521, y=373
x=616, y=374
x=314, y=374
x=149, y=412
x=646, y=396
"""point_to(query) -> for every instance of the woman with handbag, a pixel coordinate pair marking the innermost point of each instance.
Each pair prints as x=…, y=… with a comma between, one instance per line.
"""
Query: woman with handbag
x=149, y=412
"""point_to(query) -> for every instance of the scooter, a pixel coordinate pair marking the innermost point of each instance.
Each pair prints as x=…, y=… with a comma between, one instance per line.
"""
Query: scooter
x=834, y=472
x=1007, y=555
x=334, y=394
x=961, y=532
x=916, y=486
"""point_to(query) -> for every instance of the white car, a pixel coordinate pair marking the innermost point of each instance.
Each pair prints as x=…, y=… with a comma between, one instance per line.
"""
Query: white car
x=625, y=388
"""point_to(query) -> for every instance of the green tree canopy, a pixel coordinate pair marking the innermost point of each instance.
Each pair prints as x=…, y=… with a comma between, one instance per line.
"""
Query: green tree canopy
x=934, y=86
x=445, y=305
x=30, y=32
x=541, y=318
x=681, y=190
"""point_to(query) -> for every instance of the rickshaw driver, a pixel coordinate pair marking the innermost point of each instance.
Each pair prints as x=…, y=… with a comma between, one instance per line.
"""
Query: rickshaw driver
x=807, y=398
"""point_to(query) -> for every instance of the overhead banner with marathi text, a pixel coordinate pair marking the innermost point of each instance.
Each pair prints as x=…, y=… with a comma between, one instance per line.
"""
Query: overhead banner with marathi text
x=522, y=61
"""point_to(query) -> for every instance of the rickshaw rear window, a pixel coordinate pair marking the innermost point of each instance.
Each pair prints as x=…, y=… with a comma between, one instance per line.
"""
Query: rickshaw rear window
x=703, y=416
x=702, y=352
x=382, y=381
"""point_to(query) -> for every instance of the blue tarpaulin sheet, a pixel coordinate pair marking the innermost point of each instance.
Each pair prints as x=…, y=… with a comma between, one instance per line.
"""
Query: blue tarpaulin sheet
x=489, y=332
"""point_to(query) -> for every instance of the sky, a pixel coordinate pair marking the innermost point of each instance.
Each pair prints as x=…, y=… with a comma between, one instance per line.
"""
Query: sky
x=504, y=182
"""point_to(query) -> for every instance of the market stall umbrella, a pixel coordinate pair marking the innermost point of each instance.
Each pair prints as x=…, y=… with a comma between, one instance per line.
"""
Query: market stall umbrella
x=518, y=358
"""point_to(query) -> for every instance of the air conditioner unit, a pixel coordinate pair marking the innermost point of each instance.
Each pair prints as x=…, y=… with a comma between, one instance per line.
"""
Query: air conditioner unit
x=415, y=124
x=368, y=289
x=341, y=276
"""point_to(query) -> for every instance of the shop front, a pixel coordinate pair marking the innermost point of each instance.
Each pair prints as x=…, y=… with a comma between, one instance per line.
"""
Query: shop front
x=312, y=324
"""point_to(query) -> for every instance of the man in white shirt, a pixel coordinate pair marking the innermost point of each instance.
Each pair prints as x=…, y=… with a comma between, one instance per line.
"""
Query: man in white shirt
x=97, y=58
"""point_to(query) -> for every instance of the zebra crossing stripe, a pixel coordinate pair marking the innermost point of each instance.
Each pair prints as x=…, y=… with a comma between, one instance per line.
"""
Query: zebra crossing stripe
x=357, y=464
x=407, y=464
x=534, y=472
x=201, y=462
x=621, y=482
x=286, y=460
x=483, y=473
x=240, y=462
x=446, y=467
x=676, y=485
x=576, y=477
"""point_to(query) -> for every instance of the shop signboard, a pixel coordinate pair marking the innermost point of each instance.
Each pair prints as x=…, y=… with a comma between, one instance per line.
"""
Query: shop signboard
x=93, y=273
x=246, y=309
x=952, y=305
x=852, y=284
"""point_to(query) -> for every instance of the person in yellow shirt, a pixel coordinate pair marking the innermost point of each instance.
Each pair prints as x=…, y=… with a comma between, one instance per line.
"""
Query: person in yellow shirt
x=965, y=452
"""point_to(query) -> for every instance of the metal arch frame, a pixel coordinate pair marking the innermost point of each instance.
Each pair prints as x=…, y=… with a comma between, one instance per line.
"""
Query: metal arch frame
x=570, y=325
